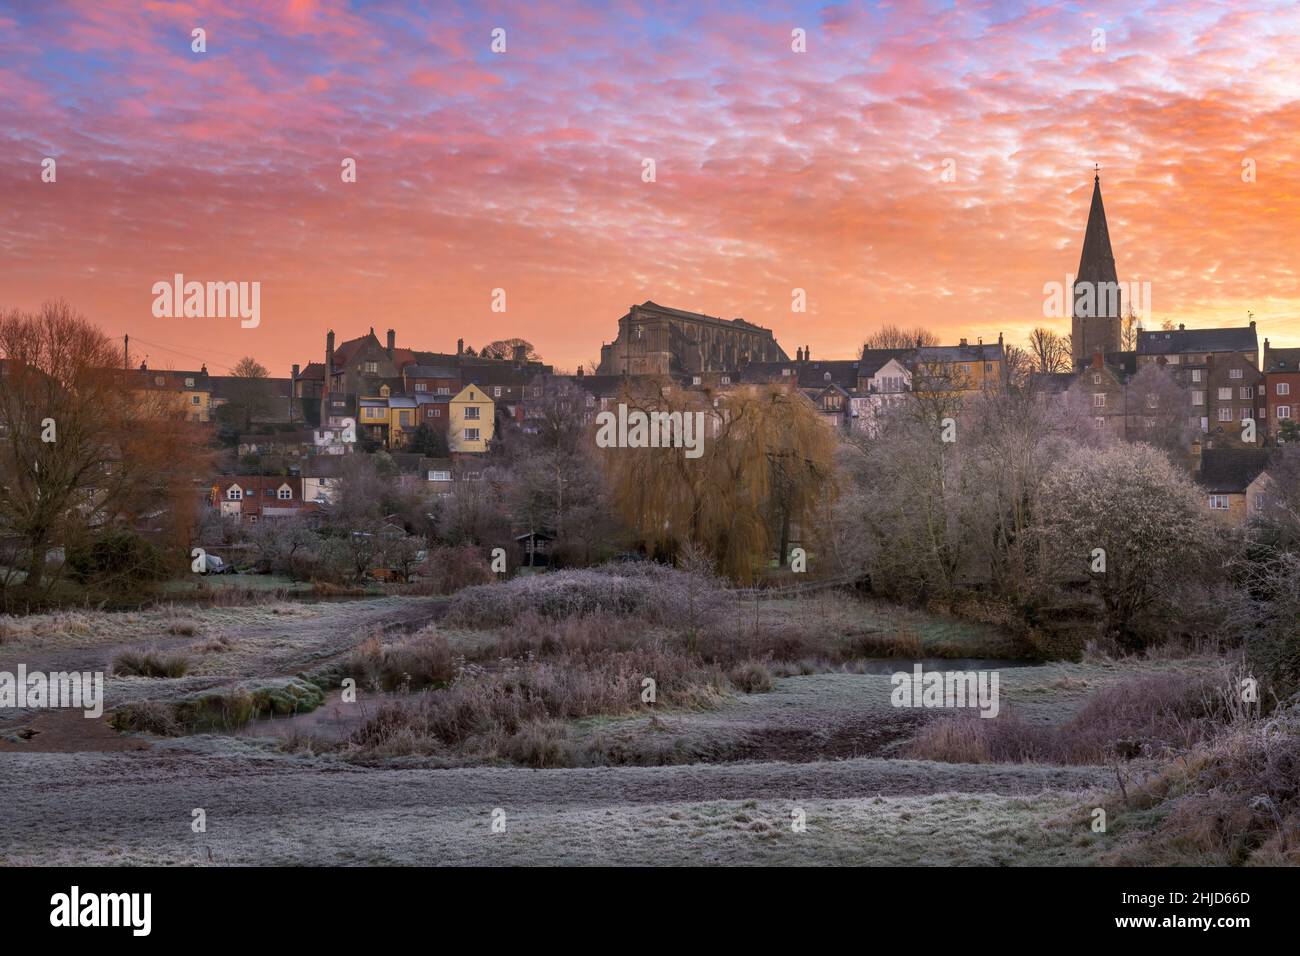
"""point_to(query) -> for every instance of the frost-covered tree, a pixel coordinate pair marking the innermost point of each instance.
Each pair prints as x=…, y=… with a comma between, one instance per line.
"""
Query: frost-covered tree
x=1142, y=512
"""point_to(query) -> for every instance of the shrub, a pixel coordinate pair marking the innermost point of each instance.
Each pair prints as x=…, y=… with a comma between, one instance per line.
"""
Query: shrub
x=117, y=558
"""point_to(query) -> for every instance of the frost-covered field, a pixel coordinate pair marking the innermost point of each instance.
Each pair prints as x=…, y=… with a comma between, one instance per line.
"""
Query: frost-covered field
x=824, y=748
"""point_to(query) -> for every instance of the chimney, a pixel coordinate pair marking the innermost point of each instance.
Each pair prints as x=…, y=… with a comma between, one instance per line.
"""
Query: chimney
x=999, y=338
x=293, y=376
x=807, y=354
x=1182, y=327
x=1252, y=323
x=392, y=342
x=325, y=389
x=521, y=354
x=963, y=343
x=579, y=371
x=203, y=369
x=798, y=355
x=1098, y=361
x=460, y=346
x=143, y=367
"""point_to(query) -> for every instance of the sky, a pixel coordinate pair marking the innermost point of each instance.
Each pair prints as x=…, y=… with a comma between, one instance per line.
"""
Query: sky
x=918, y=164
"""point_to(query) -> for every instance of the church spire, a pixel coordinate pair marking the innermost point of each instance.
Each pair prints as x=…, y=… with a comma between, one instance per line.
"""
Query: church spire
x=1098, y=300
x=1097, y=263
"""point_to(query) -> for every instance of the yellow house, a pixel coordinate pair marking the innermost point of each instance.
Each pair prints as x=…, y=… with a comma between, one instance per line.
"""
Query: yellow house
x=471, y=420
x=185, y=394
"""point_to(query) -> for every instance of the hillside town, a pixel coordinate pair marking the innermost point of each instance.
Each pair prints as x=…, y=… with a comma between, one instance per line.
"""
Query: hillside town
x=1212, y=396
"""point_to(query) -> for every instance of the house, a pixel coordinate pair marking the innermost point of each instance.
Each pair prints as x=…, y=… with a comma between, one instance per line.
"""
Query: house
x=253, y=498
x=1234, y=394
x=472, y=422
x=320, y=477
x=1282, y=389
x=187, y=394
x=1234, y=482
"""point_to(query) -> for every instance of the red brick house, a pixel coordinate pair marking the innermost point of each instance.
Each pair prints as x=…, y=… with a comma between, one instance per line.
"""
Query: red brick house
x=1282, y=384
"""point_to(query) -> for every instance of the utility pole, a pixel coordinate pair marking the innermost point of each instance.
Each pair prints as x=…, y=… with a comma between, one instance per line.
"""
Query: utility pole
x=126, y=353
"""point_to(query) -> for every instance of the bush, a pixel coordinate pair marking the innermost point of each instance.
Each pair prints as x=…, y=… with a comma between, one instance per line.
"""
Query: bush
x=117, y=558
x=751, y=677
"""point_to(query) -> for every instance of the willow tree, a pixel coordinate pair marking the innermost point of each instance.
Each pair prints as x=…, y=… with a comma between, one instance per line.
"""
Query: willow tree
x=765, y=465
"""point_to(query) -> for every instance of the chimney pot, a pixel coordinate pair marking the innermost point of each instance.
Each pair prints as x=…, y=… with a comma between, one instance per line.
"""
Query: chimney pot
x=460, y=346
x=392, y=342
x=1181, y=327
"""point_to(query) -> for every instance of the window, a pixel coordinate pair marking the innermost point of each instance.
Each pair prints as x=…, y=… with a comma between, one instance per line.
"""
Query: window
x=285, y=494
x=403, y=418
x=1247, y=392
x=472, y=413
x=1284, y=388
x=1284, y=411
x=1225, y=394
x=785, y=373
x=194, y=400
x=1225, y=414
x=726, y=380
x=1149, y=422
x=252, y=519
x=158, y=380
x=1198, y=398
x=1099, y=422
x=440, y=476
x=1218, y=502
x=189, y=383
x=1245, y=414
x=1196, y=375
x=1205, y=424
x=233, y=493
x=1234, y=373
x=496, y=391
x=1099, y=400
x=444, y=390
x=435, y=413
x=471, y=434
x=1153, y=401
x=372, y=367
x=1096, y=378
x=421, y=387
x=695, y=380
x=1173, y=359
x=988, y=368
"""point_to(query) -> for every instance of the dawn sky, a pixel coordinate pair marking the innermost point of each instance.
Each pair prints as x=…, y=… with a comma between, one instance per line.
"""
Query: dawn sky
x=522, y=170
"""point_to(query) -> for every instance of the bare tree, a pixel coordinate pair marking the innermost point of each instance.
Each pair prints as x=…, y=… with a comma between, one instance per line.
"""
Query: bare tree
x=1048, y=351
x=82, y=450
x=891, y=336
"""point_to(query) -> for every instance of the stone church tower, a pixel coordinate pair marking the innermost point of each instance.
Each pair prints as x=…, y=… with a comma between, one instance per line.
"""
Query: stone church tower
x=1096, y=307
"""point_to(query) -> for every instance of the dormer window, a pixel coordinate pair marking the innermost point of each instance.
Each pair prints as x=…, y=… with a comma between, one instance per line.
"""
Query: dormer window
x=234, y=493
x=189, y=383
x=159, y=380
x=285, y=493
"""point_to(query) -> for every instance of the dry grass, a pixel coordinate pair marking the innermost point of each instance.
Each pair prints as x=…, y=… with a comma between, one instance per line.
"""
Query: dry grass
x=423, y=660
x=1233, y=800
x=1148, y=716
x=151, y=663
